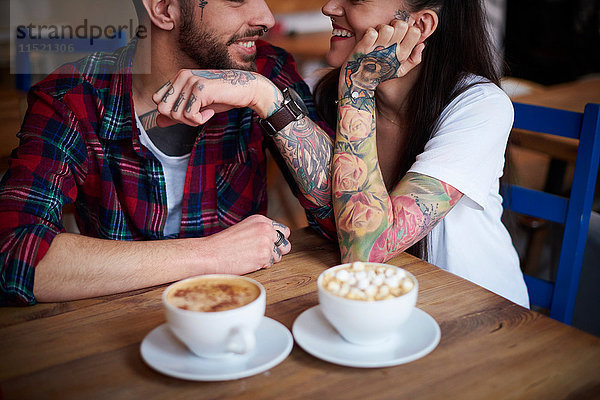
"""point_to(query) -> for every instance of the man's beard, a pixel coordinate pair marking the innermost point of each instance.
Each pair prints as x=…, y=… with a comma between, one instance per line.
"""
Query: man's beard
x=205, y=49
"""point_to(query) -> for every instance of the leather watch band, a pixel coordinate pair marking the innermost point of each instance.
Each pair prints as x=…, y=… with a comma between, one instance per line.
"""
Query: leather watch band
x=293, y=109
x=280, y=119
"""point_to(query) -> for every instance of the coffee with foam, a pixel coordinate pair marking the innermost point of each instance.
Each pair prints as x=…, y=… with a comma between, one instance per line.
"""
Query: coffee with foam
x=215, y=315
x=213, y=293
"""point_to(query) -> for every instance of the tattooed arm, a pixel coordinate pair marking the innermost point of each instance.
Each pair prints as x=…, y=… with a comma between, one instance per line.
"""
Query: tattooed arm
x=194, y=96
x=373, y=224
x=307, y=151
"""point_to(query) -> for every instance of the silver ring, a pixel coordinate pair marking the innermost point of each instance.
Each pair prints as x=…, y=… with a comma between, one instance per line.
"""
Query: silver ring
x=280, y=238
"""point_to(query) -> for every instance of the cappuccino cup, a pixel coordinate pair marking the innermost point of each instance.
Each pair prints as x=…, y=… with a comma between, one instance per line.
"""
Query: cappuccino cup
x=367, y=303
x=215, y=315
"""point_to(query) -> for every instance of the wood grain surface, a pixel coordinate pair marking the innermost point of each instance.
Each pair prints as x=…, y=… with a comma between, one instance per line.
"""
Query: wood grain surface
x=490, y=348
x=570, y=96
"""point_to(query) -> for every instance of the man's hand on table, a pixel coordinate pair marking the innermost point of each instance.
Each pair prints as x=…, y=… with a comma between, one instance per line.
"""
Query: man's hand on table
x=78, y=267
x=249, y=245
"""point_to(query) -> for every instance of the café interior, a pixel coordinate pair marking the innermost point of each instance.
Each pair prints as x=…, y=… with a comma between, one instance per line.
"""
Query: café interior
x=547, y=65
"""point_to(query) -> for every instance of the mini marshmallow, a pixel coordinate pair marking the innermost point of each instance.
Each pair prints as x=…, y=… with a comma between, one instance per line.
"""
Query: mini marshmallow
x=342, y=275
x=407, y=284
x=358, y=266
x=360, y=275
x=344, y=290
x=356, y=293
x=392, y=281
x=366, y=282
x=371, y=291
x=377, y=280
x=363, y=283
x=333, y=287
x=384, y=291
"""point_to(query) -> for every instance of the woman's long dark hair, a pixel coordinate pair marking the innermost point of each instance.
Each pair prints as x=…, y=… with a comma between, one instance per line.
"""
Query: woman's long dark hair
x=459, y=46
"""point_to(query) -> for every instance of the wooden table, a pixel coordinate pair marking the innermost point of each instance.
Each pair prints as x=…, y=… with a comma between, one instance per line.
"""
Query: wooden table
x=571, y=96
x=490, y=347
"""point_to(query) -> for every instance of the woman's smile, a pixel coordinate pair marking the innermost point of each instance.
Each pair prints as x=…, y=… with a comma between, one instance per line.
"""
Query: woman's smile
x=340, y=33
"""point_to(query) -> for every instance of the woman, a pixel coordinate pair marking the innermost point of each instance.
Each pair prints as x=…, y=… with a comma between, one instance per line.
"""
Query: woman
x=422, y=131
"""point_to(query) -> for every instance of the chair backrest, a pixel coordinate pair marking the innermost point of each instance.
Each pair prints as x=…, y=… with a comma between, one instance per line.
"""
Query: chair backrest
x=573, y=212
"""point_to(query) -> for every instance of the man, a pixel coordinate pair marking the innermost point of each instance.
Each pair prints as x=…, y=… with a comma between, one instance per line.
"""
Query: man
x=91, y=136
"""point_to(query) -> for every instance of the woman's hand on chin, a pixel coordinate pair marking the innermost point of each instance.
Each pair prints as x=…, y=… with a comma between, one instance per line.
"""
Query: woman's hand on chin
x=384, y=52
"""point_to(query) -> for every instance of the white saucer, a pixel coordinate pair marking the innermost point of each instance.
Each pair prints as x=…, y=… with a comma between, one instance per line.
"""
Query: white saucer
x=417, y=338
x=162, y=351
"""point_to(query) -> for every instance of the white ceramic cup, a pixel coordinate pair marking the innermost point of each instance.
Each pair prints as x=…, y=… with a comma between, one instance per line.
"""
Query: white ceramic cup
x=365, y=322
x=216, y=334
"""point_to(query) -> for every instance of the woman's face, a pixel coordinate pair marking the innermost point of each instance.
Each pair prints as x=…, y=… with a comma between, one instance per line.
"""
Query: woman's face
x=351, y=19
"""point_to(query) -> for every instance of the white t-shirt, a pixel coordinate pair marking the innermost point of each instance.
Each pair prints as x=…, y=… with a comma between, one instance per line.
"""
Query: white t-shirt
x=466, y=151
x=174, y=169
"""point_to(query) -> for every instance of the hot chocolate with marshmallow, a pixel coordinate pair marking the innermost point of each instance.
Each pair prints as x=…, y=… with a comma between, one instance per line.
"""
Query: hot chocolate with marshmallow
x=368, y=282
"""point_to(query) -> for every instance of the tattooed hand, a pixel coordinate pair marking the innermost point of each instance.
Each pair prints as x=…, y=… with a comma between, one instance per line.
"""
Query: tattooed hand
x=194, y=96
x=390, y=51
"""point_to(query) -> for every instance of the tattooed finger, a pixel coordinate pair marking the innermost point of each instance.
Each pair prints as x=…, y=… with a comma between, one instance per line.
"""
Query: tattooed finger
x=191, y=101
x=178, y=102
x=169, y=93
x=164, y=87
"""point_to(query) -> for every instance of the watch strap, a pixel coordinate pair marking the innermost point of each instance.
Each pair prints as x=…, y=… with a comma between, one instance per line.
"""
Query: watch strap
x=278, y=120
x=292, y=109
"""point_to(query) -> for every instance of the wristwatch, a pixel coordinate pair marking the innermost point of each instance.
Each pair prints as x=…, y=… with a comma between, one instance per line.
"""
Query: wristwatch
x=292, y=109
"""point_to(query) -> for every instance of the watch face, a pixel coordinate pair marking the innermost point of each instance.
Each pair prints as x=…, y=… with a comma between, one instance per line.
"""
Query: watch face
x=298, y=100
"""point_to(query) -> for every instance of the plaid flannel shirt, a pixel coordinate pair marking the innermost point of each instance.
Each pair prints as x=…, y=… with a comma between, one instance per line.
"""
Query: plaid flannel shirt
x=79, y=144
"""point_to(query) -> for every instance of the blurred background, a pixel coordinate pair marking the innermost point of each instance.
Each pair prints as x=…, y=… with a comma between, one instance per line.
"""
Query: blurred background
x=543, y=46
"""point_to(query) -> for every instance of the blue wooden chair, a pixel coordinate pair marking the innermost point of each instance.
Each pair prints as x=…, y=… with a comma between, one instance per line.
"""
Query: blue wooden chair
x=573, y=212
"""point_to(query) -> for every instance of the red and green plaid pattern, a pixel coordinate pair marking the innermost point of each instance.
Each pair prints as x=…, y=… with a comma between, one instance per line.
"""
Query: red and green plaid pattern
x=79, y=144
